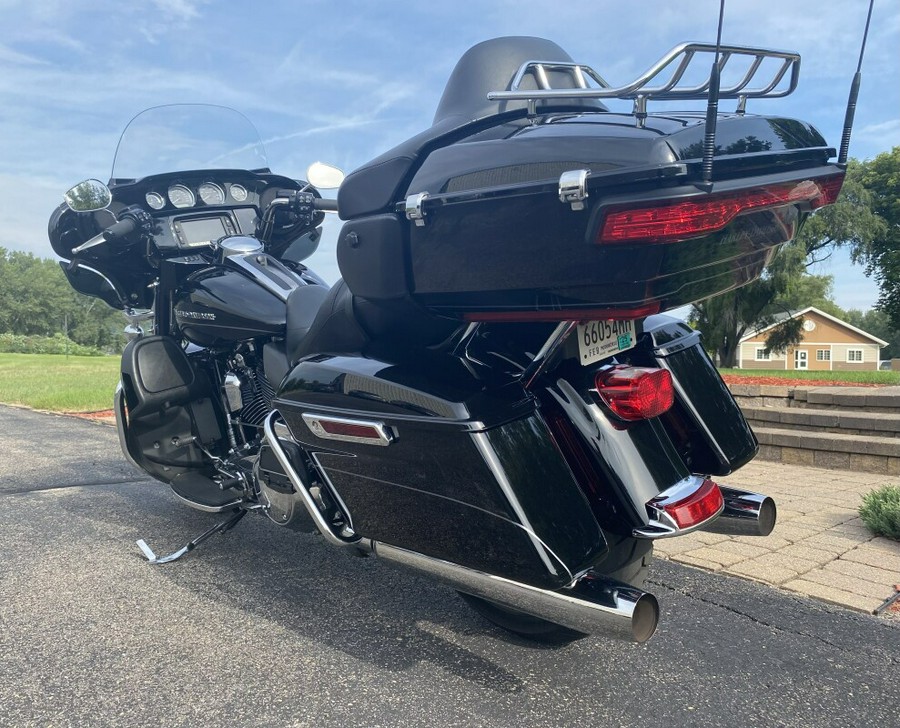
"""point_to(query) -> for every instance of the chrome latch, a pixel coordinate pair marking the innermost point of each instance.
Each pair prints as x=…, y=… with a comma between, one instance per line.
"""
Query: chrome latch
x=414, y=209
x=573, y=187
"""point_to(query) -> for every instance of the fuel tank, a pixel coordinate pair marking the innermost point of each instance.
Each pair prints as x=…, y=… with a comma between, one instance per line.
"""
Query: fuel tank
x=243, y=297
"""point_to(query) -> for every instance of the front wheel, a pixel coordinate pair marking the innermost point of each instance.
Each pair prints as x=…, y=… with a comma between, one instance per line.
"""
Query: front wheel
x=628, y=561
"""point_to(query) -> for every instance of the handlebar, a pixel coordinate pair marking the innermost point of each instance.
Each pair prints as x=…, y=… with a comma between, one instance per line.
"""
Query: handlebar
x=118, y=229
x=327, y=205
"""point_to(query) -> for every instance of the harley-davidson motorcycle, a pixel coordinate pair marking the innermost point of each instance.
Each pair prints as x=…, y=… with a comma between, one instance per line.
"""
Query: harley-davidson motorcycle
x=492, y=394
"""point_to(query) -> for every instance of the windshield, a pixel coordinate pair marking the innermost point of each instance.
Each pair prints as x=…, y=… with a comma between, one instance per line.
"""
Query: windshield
x=181, y=137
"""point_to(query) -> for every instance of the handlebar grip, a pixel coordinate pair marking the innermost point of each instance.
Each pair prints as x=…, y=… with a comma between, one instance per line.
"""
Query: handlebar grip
x=121, y=229
x=328, y=205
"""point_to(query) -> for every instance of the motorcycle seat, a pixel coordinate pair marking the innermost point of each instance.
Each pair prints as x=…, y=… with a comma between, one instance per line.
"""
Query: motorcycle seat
x=489, y=66
x=348, y=324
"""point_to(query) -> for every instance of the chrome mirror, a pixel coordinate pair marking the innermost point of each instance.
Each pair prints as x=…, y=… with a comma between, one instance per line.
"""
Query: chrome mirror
x=88, y=196
x=325, y=176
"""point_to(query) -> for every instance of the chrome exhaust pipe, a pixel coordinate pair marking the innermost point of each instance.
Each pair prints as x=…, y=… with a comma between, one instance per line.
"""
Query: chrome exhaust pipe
x=593, y=604
x=745, y=514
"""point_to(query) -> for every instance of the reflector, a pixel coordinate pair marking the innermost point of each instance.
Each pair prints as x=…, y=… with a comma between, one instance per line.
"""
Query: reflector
x=635, y=393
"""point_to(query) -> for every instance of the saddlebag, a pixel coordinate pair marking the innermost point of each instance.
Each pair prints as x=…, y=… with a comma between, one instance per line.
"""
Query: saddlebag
x=443, y=465
x=705, y=424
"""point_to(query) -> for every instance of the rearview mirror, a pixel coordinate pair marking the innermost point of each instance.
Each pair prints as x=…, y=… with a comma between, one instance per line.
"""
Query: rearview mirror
x=88, y=196
x=325, y=176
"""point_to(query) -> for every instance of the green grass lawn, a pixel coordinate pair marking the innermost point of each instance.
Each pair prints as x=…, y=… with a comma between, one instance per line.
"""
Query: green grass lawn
x=869, y=377
x=57, y=383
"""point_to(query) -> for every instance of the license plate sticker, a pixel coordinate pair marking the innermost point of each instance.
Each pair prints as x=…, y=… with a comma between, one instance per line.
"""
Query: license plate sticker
x=600, y=339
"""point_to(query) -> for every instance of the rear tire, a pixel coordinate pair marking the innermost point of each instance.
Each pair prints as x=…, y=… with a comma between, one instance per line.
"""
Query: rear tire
x=628, y=561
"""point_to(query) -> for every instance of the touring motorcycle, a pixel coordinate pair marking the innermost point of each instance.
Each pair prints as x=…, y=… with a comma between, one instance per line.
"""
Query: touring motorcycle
x=492, y=394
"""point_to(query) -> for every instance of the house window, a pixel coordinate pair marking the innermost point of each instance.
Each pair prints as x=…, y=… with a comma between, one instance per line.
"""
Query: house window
x=762, y=355
x=854, y=355
x=823, y=354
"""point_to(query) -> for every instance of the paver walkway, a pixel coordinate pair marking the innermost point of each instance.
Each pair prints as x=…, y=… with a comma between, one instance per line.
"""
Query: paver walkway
x=820, y=547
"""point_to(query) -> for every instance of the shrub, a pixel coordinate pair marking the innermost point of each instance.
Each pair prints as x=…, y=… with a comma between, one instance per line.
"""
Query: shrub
x=56, y=344
x=880, y=511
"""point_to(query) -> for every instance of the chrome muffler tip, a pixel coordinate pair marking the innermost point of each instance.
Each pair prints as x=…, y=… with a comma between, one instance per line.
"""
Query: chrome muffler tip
x=744, y=514
x=593, y=604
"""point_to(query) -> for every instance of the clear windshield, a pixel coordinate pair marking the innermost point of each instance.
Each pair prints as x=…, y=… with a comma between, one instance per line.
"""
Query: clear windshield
x=181, y=137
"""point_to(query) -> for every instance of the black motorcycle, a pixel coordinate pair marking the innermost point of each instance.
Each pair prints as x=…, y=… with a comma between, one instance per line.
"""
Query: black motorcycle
x=491, y=395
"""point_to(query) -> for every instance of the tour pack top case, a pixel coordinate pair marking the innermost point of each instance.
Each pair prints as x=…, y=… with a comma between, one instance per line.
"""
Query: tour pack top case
x=576, y=212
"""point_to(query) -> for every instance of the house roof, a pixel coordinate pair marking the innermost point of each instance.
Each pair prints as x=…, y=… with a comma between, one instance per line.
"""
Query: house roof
x=782, y=317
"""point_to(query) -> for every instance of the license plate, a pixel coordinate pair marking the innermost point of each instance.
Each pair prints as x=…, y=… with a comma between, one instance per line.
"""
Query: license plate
x=600, y=339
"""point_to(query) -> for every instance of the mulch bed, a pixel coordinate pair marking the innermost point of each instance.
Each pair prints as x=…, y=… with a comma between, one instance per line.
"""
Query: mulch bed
x=787, y=382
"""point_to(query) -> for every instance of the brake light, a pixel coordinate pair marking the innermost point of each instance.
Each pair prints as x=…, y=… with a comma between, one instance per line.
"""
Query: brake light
x=702, y=504
x=635, y=393
x=669, y=221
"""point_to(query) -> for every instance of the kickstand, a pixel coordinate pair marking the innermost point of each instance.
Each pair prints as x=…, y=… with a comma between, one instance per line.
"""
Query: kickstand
x=218, y=528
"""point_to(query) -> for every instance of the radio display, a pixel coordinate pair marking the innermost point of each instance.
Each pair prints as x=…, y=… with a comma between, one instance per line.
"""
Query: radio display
x=202, y=231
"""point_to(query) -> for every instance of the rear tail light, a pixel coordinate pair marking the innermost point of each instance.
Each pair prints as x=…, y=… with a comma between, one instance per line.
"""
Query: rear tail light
x=692, y=510
x=669, y=221
x=635, y=393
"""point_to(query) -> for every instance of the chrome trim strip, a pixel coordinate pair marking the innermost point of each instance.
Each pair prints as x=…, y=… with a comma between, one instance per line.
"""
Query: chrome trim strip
x=593, y=604
x=307, y=499
x=385, y=436
x=490, y=457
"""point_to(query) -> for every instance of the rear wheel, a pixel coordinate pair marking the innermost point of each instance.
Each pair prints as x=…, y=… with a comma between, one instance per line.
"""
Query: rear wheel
x=628, y=561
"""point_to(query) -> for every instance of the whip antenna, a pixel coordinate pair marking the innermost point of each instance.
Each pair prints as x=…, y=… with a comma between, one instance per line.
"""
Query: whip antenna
x=854, y=93
x=712, y=107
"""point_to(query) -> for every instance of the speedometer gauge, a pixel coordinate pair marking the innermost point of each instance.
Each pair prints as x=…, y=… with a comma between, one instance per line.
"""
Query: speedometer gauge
x=212, y=194
x=155, y=200
x=181, y=196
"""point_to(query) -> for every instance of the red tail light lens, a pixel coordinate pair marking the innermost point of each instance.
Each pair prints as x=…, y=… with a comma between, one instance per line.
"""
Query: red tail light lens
x=703, y=503
x=635, y=393
x=669, y=221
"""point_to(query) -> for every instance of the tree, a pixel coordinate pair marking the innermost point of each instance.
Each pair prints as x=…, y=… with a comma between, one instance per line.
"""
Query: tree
x=36, y=299
x=881, y=179
x=785, y=286
x=877, y=323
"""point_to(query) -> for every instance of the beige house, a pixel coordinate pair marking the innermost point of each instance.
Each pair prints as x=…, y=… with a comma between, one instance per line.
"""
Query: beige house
x=828, y=344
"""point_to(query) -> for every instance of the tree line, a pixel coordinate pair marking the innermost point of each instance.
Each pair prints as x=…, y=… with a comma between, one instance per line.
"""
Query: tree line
x=865, y=219
x=36, y=300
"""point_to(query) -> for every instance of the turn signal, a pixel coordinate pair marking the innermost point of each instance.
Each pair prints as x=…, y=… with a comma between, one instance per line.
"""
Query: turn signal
x=635, y=393
x=669, y=221
x=703, y=503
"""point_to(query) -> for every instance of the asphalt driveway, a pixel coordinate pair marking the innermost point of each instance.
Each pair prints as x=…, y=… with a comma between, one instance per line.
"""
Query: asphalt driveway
x=265, y=627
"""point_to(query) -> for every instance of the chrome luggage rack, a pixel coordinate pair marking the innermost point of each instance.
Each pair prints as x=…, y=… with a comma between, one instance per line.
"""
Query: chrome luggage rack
x=640, y=90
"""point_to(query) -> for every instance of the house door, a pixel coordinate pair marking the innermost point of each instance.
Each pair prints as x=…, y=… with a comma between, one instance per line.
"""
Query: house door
x=800, y=359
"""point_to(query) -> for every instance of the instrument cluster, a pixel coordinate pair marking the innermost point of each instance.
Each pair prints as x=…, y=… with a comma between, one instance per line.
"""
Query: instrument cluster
x=183, y=196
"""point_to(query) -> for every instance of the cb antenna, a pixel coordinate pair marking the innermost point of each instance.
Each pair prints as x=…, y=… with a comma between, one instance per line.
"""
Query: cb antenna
x=712, y=108
x=854, y=94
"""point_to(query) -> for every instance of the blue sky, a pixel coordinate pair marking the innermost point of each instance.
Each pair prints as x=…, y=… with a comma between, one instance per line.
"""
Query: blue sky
x=344, y=81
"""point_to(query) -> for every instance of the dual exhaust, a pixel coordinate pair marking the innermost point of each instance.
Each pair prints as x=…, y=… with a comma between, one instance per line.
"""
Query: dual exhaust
x=592, y=604
x=744, y=514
